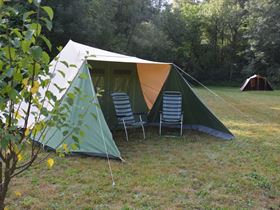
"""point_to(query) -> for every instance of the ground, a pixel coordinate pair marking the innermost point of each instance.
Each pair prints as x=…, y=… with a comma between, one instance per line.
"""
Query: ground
x=194, y=172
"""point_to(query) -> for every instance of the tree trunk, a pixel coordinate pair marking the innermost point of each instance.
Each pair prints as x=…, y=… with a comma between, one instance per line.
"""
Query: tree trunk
x=4, y=189
x=233, y=40
x=7, y=169
x=230, y=73
x=2, y=201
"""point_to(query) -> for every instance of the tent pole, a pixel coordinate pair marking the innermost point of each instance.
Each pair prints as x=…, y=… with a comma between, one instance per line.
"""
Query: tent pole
x=103, y=137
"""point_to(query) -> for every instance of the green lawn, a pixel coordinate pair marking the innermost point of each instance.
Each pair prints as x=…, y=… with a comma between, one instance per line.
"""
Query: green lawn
x=194, y=172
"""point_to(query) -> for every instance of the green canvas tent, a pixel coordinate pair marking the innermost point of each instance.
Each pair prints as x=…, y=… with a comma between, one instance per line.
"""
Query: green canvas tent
x=143, y=80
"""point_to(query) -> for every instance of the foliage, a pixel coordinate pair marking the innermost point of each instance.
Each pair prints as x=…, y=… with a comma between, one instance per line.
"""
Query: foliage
x=214, y=40
x=263, y=37
x=145, y=44
x=27, y=104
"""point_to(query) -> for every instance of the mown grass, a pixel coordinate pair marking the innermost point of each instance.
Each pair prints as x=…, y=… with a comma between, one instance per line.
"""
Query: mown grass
x=196, y=171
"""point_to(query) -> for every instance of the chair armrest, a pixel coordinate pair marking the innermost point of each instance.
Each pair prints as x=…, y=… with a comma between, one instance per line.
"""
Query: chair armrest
x=124, y=115
x=140, y=113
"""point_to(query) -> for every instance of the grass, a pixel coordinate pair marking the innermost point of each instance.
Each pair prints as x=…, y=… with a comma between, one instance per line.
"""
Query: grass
x=196, y=171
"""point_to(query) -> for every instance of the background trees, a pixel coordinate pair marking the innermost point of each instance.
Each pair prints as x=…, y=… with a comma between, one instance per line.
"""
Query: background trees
x=263, y=35
x=215, y=40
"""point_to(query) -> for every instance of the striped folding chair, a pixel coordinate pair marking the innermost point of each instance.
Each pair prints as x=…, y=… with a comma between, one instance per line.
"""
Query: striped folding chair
x=171, y=113
x=124, y=113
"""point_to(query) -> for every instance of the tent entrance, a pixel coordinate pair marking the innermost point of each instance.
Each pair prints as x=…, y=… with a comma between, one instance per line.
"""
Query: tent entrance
x=145, y=84
x=109, y=77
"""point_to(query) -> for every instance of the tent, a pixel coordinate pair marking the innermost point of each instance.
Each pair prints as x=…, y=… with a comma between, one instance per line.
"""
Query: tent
x=256, y=82
x=143, y=80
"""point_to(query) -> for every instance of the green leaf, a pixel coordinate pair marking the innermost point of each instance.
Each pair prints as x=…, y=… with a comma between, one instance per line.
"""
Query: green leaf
x=17, y=32
x=49, y=11
x=4, y=142
x=29, y=34
x=59, y=89
x=15, y=42
x=62, y=73
x=65, y=63
x=50, y=95
x=48, y=24
x=18, y=76
x=45, y=58
x=93, y=115
x=83, y=76
x=59, y=48
x=82, y=134
x=36, y=52
x=70, y=101
x=12, y=94
x=73, y=65
x=64, y=133
x=47, y=42
x=36, y=27
x=71, y=95
x=75, y=138
x=77, y=89
x=9, y=72
x=44, y=111
x=45, y=82
x=27, y=14
x=25, y=45
x=10, y=53
x=74, y=146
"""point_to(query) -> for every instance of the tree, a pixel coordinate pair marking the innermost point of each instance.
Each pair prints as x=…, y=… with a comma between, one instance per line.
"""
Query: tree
x=145, y=45
x=92, y=24
x=24, y=66
x=262, y=33
x=212, y=38
x=215, y=40
x=107, y=24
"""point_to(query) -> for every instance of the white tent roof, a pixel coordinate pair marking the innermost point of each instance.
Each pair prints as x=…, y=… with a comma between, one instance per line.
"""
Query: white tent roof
x=103, y=55
x=75, y=54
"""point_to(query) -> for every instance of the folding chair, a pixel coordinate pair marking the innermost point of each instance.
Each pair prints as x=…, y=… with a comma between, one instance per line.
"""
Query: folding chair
x=171, y=113
x=124, y=113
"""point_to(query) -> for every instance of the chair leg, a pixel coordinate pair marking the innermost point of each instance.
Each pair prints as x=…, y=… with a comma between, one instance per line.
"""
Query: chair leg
x=160, y=125
x=181, y=132
x=143, y=129
x=126, y=135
